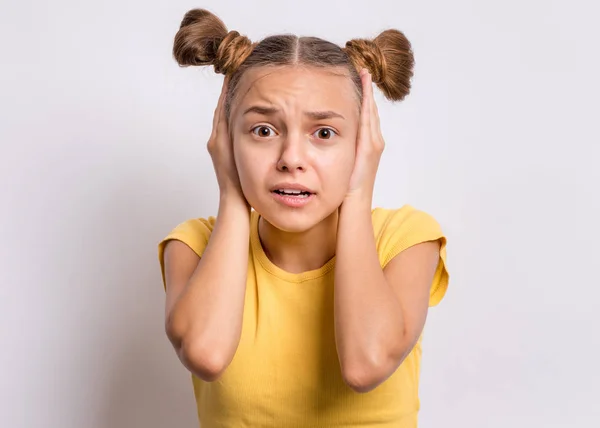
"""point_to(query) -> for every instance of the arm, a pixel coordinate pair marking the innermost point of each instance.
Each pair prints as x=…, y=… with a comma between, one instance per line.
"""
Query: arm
x=379, y=313
x=205, y=297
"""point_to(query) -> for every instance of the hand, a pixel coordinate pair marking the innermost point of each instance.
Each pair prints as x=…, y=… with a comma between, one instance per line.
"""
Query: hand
x=220, y=148
x=369, y=144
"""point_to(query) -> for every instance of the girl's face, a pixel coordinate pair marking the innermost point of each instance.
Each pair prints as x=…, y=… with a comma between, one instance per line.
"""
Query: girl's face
x=294, y=129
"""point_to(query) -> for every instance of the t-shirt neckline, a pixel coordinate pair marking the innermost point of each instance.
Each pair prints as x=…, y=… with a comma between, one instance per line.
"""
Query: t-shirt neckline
x=275, y=270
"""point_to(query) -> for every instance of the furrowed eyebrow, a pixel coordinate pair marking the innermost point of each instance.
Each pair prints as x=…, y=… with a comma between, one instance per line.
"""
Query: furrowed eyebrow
x=261, y=110
x=316, y=115
x=322, y=115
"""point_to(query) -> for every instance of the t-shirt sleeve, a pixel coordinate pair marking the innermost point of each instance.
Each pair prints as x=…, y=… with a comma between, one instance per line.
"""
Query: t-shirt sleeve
x=405, y=227
x=194, y=233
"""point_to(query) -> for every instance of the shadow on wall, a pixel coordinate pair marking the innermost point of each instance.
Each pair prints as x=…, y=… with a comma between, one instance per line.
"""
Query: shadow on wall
x=146, y=385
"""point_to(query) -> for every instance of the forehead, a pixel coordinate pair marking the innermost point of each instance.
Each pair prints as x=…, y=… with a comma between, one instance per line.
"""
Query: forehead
x=312, y=88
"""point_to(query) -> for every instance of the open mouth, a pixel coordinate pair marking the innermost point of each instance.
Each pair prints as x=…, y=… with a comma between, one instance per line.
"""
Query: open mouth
x=293, y=193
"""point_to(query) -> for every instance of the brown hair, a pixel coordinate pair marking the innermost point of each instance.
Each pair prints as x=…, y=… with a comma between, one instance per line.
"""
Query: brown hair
x=203, y=39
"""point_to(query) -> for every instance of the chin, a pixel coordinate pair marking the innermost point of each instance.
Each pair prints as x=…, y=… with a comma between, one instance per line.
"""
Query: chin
x=291, y=220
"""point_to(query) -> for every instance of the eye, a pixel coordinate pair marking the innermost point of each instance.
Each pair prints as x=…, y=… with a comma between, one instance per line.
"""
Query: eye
x=263, y=131
x=325, y=133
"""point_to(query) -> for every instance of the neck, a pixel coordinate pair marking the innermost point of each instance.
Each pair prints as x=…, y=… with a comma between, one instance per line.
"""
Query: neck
x=302, y=251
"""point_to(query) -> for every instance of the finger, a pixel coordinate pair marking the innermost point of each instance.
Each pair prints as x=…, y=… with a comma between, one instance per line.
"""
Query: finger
x=365, y=113
x=377, y=137
x=374, y=113
x=219, y=108
x=222, y=124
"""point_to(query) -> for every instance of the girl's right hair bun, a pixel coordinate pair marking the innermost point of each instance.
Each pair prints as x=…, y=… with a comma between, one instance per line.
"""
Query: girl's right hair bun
x=203, y=39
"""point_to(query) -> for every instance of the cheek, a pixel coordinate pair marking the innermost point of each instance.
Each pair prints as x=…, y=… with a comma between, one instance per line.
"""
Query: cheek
x=336, y=168
x=249, y=166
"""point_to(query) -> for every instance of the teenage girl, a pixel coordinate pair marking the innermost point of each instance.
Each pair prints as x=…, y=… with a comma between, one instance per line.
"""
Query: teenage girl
x=299, y=305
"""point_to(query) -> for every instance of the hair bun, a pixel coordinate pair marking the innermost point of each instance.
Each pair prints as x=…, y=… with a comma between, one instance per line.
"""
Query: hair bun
x=232, y=52
x=203, y=39
x=389, y=59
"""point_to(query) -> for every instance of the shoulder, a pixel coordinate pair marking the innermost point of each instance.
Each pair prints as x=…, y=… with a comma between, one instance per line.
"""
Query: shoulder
x=401, y=228
x=404, y=226
x=194, y=232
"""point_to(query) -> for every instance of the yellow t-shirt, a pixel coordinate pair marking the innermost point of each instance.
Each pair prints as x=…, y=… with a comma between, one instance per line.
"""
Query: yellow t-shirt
x=285, y=372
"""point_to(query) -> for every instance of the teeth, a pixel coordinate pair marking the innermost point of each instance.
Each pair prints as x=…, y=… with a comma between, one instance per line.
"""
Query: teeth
x=297, y=195
x=290, y=192
x=293, y=192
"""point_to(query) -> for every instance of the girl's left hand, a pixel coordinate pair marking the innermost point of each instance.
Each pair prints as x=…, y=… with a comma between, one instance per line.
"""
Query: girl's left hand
x=369, y=144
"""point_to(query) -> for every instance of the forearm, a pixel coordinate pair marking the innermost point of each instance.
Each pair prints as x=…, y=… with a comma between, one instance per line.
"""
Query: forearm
x=206, y=320
x=368, y=316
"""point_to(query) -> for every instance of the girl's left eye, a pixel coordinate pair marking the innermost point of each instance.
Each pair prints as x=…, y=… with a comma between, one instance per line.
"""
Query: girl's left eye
x=325, y=133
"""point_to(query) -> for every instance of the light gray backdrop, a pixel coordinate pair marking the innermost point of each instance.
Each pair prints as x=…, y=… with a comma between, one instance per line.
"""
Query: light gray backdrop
x=103, y=152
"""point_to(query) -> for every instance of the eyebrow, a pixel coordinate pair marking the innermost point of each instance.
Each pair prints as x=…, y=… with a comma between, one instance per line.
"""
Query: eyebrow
x=316, y=115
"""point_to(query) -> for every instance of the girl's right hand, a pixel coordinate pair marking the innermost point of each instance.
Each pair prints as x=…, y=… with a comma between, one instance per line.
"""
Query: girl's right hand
x=220, y=148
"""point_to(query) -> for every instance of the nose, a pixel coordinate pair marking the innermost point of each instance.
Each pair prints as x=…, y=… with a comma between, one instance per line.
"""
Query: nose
x=293, y=156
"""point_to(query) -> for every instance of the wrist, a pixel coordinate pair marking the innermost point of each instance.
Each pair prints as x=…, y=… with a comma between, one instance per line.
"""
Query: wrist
x=354, y=208
x=359, y=199
x=233, y=201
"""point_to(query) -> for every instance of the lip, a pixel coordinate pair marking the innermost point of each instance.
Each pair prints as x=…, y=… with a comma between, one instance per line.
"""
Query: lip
x=292, y=186
x=293, y=201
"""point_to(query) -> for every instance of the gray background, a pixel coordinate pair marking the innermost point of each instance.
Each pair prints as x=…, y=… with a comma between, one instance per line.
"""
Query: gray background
x=103, y=152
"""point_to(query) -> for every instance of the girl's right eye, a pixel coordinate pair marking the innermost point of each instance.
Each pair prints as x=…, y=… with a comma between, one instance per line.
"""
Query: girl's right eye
x=263, y=131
